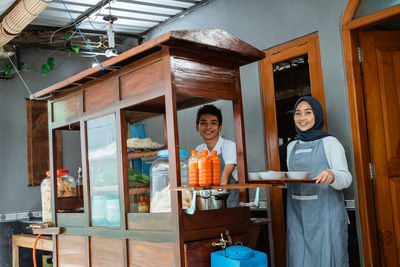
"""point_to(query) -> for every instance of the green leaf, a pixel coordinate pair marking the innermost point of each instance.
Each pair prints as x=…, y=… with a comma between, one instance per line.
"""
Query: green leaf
x=50, y=62
x=68, y=36
x=75, y=48
x=7, y=69
x=22, y=66
x=45, y=69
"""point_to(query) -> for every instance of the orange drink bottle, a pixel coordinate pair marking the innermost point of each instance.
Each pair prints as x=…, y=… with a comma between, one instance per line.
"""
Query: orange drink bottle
x=193, y=169
x=205, y=169
x=216, y=168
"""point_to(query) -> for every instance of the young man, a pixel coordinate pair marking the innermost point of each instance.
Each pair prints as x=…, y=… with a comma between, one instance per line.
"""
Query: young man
x=209, y=124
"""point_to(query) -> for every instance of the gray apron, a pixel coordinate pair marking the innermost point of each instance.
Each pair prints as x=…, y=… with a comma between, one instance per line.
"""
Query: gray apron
x=233, y=198
x=316, y=215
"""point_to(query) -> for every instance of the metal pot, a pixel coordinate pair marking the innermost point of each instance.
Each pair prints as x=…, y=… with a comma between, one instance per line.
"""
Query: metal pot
x=211, y=199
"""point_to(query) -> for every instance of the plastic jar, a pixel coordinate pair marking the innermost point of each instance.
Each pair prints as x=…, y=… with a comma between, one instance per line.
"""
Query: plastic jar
x=160, y=200
x=66, y=186
x=46, y=198
x=216, y=168
x=193, y=169
x=205, y=169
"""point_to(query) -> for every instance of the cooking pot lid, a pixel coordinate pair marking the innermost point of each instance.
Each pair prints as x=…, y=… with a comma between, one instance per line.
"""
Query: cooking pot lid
x=238, y=252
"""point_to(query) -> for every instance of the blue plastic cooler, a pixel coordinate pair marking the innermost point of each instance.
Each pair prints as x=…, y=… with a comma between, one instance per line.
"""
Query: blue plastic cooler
x=238, y=256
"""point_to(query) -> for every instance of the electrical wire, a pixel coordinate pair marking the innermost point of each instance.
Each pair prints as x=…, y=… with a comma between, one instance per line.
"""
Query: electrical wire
x=34, y=250
x=69, y=13
x=16, y=69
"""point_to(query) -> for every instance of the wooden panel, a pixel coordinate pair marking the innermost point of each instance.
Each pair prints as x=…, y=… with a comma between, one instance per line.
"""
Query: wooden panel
x=66, y=108
x=150, y=221
x=197, y=253
x=382, y=107
x=27, y=241
x=202, y=79
x=359, y=138
x=395, y=193
x=210, y=223
x=69, y=203
x=150, y=254
x=213, y=218
x=389, y=76
x=71, y=251
x=148, y=78
x=37, y=140
x=99, y=95
x=71, y=219
x=107, y=252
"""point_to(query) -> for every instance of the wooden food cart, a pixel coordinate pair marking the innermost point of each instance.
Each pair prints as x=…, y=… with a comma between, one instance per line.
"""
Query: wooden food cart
x=177, y=70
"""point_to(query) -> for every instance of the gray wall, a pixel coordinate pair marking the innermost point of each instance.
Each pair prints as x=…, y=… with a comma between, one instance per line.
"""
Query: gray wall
x=15, y=195
x=265, y=24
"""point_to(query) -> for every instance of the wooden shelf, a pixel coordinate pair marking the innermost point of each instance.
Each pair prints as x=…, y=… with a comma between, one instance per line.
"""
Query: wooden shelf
x=48, y=230
x=229, y=186
x=143, y=154
x=250, y=184
x=135, y=189
x=283, y=181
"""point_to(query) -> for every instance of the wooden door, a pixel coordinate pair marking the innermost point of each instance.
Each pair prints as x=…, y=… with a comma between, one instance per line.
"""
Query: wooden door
x=308, y=45
x=381, y=79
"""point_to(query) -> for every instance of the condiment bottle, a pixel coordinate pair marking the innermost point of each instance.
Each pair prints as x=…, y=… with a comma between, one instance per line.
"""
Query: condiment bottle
x=216, y=168
x=205, y=169
x=193, y=169
x=143, y=205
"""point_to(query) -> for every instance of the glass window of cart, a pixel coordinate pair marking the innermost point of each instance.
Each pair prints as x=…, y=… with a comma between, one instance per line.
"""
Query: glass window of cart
x=103, y=171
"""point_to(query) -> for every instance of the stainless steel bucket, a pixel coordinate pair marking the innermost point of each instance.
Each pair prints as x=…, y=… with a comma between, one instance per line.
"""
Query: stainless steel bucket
x=211, y=199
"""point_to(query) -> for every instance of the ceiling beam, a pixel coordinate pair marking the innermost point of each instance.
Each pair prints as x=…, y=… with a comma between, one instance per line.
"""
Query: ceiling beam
x=30, y=28
x=179, y=15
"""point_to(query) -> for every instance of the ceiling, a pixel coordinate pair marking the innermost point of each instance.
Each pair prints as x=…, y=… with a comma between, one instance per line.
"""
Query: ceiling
x=134, y=19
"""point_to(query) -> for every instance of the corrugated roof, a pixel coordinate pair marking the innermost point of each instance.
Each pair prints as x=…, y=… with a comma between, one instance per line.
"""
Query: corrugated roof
x=134, y=16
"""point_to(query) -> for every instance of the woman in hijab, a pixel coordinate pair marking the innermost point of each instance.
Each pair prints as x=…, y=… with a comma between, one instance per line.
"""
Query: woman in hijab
x=316, y=215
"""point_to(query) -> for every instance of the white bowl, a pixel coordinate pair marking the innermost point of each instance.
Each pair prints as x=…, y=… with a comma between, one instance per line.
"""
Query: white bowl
x=297, y=175
x=254, y=176
x=272, y=175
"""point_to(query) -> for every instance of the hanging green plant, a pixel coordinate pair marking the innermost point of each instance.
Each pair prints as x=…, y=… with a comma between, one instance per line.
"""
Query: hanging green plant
x=7, y=69
x=75, y=48
x=45, y=69
x=68, y=36
x=50, y=62
x=48, y=66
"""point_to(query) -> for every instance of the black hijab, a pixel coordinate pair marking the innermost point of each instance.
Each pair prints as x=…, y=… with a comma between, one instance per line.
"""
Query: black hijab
x=315, y=132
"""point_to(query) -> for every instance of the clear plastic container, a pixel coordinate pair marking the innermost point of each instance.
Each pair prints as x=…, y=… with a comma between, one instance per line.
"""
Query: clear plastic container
x=160, y=200
x=66, y=185
x=45, y=190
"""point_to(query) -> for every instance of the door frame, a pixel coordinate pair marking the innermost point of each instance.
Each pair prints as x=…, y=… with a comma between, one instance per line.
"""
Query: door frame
x=305, y=45
x=350, y=27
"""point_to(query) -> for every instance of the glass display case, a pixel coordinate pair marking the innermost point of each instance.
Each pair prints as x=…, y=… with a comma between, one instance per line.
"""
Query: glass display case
x=175, y=71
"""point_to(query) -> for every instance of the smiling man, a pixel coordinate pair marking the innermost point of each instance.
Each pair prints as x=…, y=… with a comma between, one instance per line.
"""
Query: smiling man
x=209, y=125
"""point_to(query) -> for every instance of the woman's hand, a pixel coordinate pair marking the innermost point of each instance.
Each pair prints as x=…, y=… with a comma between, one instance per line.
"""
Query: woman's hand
x=325, y=176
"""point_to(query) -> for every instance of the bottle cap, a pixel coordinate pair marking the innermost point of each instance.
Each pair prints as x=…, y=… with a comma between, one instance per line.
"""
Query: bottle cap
x=214, y=152
x=62, y=171
x=204, y=152
x=47, y=173
x=194, y=153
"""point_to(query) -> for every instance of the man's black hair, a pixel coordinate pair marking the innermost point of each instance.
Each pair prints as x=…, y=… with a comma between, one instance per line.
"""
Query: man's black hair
x=209, y=109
